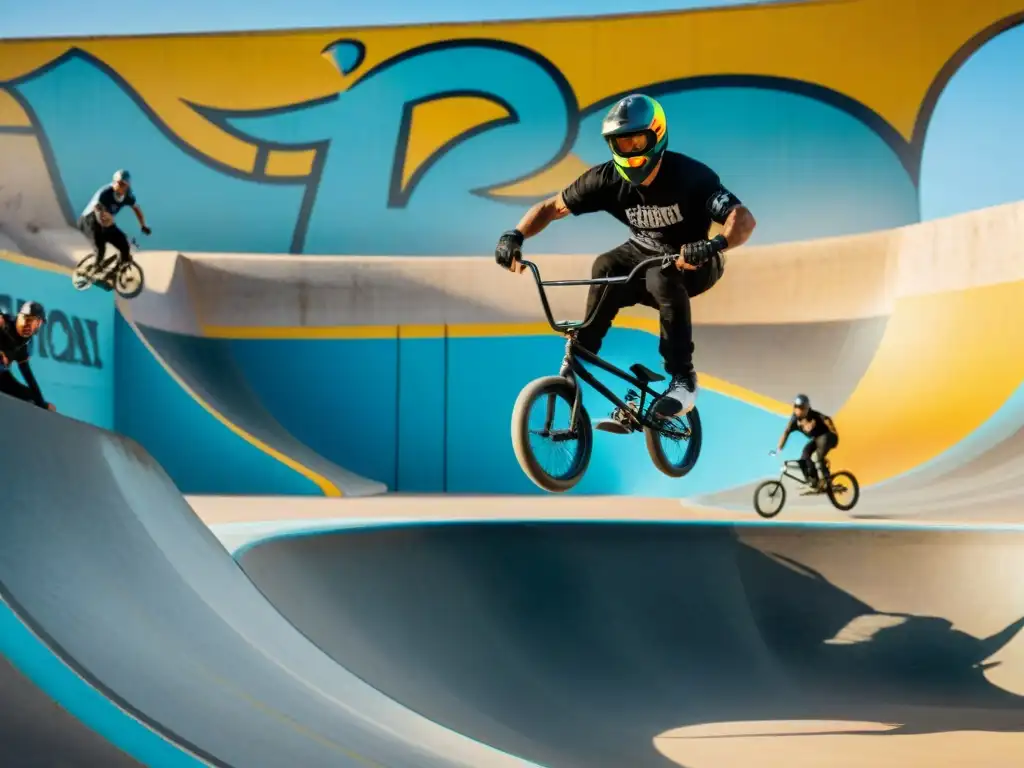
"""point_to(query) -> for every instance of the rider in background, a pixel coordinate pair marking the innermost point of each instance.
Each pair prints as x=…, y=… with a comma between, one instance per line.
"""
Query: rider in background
x=668, y=201
x=823, y=438
x=15, y=335
x=97, y=220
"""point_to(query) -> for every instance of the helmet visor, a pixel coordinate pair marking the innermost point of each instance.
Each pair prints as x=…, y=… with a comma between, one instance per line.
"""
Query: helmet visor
x=635, y=144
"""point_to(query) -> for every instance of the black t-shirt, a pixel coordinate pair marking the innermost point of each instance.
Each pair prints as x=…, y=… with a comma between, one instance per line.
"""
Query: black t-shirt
x=13, y=345
x=106, y=197
x=814, y=424
x=675, y=209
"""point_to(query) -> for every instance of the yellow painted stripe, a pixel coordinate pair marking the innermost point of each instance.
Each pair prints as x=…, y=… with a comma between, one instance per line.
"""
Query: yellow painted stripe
x=433, y=331
x=301, y=332
x=477, y=330
x=29, y=261
x=326, y=486
x=489, y=330
x=749, y=396
x=946, y=363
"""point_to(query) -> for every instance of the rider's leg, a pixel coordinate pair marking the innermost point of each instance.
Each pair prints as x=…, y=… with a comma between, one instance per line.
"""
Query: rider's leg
x=94, y=232
x=671, y=290
x=822, y=445
x=119, y=240
x=807, y=462
x=615, y=263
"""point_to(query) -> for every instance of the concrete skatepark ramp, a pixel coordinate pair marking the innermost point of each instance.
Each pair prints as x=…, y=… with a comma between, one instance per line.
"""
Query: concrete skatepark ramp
x=656, y=645
x=127, y=612
x=132, y=633
x=866, y=325
x=218, y=578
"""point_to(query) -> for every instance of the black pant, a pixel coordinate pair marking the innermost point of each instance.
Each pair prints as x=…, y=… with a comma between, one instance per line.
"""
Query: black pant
x=821, y=445
x=11, y=386
x=100, y=236
x=667, y=290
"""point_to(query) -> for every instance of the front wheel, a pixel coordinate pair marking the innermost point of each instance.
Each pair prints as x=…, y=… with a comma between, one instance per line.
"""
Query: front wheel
x=129, y=281
x=769, y=498
x=843, y=490
x=552, y=453
x=86, y=269
x=675, y=447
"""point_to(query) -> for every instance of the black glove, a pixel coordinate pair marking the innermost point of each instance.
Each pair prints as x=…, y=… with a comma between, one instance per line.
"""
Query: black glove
x=509, y=247
x=697, y=254
x=147, y=231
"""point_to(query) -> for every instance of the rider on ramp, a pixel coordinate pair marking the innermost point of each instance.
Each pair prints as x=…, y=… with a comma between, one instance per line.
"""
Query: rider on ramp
x=668, y=201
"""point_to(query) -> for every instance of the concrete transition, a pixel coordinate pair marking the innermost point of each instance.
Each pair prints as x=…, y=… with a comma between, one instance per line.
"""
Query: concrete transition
x=865, y=325
x=132, y=637
x=121, y=606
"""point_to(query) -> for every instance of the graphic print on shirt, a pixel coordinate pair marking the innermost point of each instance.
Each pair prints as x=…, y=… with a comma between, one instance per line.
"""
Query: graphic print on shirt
x=654, y=216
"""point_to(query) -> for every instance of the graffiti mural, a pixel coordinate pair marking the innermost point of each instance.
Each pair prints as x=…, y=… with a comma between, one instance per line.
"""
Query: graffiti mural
x=432, y=140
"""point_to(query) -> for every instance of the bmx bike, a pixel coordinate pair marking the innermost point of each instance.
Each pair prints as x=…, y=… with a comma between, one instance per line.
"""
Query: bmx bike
x=673, y=443
x=113, y=273
x=837, y=486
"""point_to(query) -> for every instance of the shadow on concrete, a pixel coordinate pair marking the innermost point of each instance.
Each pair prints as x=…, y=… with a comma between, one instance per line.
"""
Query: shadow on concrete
x=578, y=645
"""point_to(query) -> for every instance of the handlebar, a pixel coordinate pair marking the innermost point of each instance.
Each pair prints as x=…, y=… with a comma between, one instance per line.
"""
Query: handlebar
x=569, y=325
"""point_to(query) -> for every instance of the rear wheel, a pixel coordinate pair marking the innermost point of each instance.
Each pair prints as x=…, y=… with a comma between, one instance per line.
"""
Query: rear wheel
x=769, y=498
x=675, y=447
x=843, y=490
x=553, y=455
x=129, y=281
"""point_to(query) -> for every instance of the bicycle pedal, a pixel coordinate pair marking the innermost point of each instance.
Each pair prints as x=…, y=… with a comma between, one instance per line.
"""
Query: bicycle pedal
x=612, y=426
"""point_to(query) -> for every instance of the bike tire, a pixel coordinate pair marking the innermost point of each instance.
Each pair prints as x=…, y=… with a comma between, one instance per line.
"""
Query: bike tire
x=851, y=484
x=82, y=277
x=559, y=387
x=124, y=268
x=656, y=450
x=780, y=488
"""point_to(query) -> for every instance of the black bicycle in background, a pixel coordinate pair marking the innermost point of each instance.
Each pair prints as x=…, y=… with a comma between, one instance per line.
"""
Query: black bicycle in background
x=841, y=487
x=561, y=426
x=114, y=273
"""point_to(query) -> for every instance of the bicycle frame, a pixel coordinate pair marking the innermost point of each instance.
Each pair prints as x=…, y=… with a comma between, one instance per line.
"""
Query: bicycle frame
x=794, y=463
x=574, y=351
x=108, y=262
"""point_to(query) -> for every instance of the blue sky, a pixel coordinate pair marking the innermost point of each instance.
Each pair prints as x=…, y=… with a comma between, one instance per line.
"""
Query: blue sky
x=60, y=18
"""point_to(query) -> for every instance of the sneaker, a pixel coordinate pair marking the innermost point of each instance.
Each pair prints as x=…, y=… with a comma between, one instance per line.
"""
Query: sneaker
x=680, y=397
x=815, y=488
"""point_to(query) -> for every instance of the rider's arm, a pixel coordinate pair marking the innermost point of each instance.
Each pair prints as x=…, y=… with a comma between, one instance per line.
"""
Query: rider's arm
x=542, y=214
x=30, y=380
x=739, y=226
x=726, y=209
x=789, y=430
x=139, y=215
x=587, y=194
x=829, y=424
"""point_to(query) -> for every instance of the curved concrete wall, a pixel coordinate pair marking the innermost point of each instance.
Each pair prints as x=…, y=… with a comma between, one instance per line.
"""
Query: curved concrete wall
x=821, y=131
x=405, y=370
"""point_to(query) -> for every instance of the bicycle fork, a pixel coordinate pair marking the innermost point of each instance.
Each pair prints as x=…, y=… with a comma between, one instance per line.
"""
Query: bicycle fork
x=566, y=372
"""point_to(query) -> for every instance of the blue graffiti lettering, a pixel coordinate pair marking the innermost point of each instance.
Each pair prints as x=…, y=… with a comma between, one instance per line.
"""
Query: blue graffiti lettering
x=358, y=208
x=94, y=123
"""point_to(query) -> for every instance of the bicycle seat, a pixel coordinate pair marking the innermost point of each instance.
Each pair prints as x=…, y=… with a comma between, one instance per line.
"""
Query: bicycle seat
x=644, y=373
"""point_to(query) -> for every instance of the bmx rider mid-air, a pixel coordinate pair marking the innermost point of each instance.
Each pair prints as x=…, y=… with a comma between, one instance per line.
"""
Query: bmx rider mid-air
x=15, y=335
x=668, y=200
x=823, y=438
x=97, y=220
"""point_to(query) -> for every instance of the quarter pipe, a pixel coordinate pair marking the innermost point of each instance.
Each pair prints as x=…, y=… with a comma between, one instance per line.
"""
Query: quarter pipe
x=652, y=645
